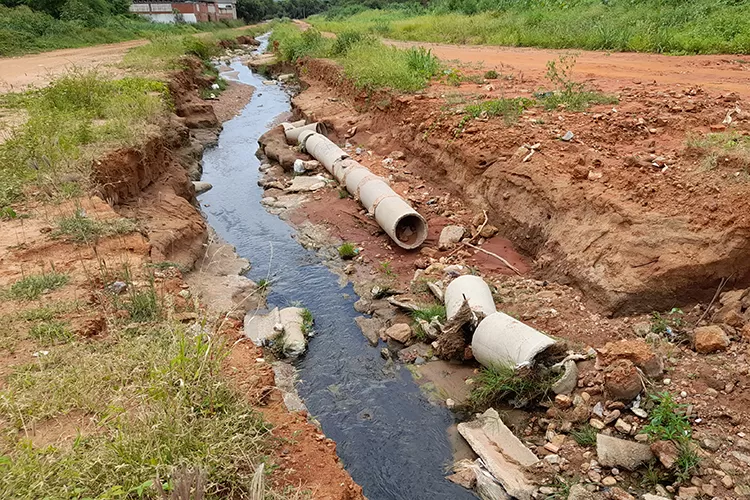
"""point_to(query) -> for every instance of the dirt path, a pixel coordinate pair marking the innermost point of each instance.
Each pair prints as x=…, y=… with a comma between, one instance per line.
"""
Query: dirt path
x=16, y=73
x=610, y=70
x=722, y=73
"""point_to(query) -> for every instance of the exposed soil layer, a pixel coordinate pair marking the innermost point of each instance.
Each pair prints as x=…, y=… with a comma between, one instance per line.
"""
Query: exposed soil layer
x=625, y=211
x=151, y=184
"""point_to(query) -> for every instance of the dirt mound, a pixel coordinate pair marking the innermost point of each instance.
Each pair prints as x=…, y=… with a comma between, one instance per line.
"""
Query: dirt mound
x=622, y=211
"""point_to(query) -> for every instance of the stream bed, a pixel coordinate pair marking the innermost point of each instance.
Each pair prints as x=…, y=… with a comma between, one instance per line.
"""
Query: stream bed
x=392, y=441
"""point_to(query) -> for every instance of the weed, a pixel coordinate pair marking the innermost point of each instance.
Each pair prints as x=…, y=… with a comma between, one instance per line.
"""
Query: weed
x=83, y=229
x=307, y=321
x=453, y=77
x=585, y=435
x=568, y=93
x=386, y=268
x=163, y=265
x=668, y=323
x=508, y=109
x=422, y=62
x=347, y=39
x=491, y=75
x=428, y=314
x=7, y=213
x=520, y=387
x=347, y=251
x=51, y=332
x=344, y=194
x=668, y=420
x=33, y=286
x=264, y=285
x=653, y=475
x=143, y=304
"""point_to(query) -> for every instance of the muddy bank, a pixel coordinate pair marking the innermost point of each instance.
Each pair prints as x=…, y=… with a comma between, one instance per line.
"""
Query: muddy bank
x=592, y=212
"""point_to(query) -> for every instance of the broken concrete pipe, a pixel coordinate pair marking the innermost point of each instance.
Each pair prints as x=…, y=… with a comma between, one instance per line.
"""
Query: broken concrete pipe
x=499, y=340
x=471, y=288
x=285, y=325
x=293, y=130
x=398, y=219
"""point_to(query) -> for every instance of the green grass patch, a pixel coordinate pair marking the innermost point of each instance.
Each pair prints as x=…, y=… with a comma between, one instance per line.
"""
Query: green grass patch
x=78, y=116
x=32, y=287
x=668, y=419
x=82, y=229
x=697, y=27
x=369, y=64
x=143, y=304
x=347, y=251
x=427, y=313
x=504, y=383
x=160, y=406
x=307, y=321
x=585, y=435
x=51, y=332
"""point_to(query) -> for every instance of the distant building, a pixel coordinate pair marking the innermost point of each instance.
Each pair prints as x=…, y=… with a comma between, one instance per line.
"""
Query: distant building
x=199, y=11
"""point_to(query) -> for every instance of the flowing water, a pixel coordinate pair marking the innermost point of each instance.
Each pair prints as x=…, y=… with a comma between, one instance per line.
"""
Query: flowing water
x=389, y=437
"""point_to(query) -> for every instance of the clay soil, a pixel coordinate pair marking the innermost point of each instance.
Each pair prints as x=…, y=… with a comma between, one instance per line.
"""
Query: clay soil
x=150, y=184
x=623, y=220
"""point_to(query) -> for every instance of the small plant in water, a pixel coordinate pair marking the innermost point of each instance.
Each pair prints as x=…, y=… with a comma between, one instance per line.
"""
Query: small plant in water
x=307, y=321
x=347, y=251
x=263, y=285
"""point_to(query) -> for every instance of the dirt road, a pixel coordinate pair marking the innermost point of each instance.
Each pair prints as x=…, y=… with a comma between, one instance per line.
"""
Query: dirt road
x=17, y=73
x=722, y=73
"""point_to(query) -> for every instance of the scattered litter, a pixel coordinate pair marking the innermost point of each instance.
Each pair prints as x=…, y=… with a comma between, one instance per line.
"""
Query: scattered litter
x=568, y=136
x=40, y=353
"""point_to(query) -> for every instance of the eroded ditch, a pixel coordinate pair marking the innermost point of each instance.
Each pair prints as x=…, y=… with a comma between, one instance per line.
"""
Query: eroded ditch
x=391, y=439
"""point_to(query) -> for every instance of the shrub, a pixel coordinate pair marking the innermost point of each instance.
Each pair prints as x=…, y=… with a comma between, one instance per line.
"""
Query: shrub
x=347, y=251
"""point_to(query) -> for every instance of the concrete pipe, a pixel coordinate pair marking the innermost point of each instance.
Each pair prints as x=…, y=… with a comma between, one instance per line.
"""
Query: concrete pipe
x=322, y=149
x=397, y=218
x=293, y=130
x=501, y=340
x=472, y=288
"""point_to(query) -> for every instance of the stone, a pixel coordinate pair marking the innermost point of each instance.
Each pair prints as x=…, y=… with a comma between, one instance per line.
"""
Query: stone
x=708, y=339
x=730, y=314
x=712, y=392
x=642, y=438
x=727, y=481
x=502, y=452
x=649, y=496
x=742, y=490
x=303, y=183
x=615, y=452
x=569, y=379
x=622, y=381
x=637, y=351
x=488, y=231
x=617, y=493
x=594, y=476
x=609, y=481
x=371, y=328
x=687, y=492
x=449, y=236
x=400, y=332
x=741, y=457
x=612, y=417
x=666, y=452
x=642, y=328
x=623, y=426
x=552, y=448
x=464, y=477
x=563, y=401
x=397, y=155
x=201, y=187
x=710, y=444
x=708, y=489
x=746, y=332
x=597, y=424
x=579, y=492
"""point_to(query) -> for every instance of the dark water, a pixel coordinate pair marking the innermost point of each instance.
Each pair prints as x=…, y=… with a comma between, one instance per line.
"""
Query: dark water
x=390, y=439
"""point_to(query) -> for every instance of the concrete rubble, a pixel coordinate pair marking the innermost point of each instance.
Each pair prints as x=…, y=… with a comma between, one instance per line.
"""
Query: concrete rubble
x=286, y=324
x=615, y=452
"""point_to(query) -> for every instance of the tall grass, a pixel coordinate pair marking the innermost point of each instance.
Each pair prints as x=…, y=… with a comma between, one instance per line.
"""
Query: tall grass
x=367, y=62
x=23, y=30
x=76, y=115
x=666, y=26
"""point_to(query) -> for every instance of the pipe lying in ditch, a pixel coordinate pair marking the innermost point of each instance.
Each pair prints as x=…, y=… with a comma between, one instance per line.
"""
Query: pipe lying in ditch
x=398, y=219
x=499, y=339
x=294, y=129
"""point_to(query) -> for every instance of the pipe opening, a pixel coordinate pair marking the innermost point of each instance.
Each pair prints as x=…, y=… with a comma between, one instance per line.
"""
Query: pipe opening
x=411, y=230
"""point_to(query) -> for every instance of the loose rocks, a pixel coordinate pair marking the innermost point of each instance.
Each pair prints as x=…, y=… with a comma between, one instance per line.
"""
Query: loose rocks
x=449, y=236
x=614, y=452
x=710, y=339
x=400, y=332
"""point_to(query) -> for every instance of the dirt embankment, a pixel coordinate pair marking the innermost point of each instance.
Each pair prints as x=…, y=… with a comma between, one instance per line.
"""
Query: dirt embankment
x=151, y=184
x=625, y=211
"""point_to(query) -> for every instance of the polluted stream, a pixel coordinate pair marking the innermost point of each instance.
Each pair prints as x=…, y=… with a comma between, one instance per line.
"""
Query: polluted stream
x=390, y=438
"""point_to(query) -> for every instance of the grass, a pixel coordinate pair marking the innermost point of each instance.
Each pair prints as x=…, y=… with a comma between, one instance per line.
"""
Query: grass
x=34, y=286
x=23, y=30
x=369, y=64
x=729, y=149
x=158, y=405
x=51, y=332
x=697, y=27
x=347, y=251
x=307, y=321
x=509, y=109
x=428, y=313
x=83, y=229
x=143, y=305
x=78, y=116
x=264, y=285
x=568, y=93
x=519, y=387
x=585, y=435
x=387, y=269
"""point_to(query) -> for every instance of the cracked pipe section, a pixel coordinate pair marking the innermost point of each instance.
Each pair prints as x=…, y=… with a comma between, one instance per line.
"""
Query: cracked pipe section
x=398, y=219
x=499, y=339
x=294, y=129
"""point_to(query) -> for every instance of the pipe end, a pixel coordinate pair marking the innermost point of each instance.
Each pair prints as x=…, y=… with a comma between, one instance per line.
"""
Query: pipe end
x=411, y=231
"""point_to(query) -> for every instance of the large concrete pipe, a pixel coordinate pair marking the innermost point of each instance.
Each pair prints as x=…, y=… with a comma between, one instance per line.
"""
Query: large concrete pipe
x=294, y=129
x=398, y=219
x=501, y=340
x=471, y=288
